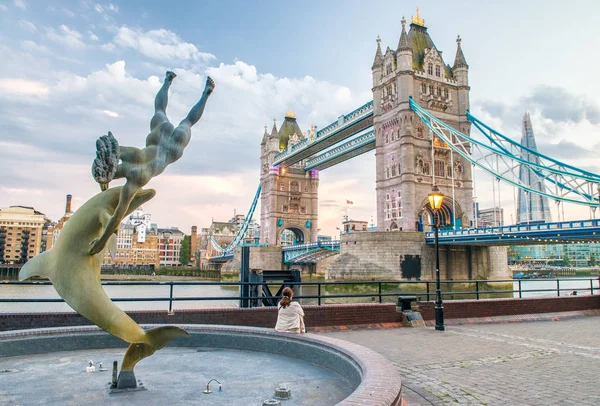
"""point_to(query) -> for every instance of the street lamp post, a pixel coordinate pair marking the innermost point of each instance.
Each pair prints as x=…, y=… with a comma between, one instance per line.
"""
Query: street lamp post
x=435, y=201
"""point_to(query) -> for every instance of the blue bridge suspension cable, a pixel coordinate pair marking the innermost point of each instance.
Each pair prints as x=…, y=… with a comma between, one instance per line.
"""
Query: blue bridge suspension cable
x=575, y=184
x=239, y=237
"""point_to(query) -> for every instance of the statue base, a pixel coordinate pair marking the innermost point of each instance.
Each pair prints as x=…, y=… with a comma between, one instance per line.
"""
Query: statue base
x=126, y=383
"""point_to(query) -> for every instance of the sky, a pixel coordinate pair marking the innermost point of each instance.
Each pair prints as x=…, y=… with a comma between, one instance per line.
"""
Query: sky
x=71, y=71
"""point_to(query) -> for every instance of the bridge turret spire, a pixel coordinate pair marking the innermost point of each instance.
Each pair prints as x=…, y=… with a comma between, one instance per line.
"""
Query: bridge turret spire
x=460, y=70
x=459, y=60
x=274, y=132
x=404, y=53
x=378, y=62
x=403, y=44
x=265, y=136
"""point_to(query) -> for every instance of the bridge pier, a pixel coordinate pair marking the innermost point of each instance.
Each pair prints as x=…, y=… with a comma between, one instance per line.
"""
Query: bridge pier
x=268, y=257
x=404, y=255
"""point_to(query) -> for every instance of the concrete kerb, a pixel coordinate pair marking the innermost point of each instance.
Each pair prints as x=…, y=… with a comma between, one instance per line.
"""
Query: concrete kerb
x=377, y=381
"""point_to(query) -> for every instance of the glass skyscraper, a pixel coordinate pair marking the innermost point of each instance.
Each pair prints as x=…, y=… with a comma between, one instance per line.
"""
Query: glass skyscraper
x=532, y=207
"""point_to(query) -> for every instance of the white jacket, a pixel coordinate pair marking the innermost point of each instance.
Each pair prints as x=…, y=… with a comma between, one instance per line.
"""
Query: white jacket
x=290, y=319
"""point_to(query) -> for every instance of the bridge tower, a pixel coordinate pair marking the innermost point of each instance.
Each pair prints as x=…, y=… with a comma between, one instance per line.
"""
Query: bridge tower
x=409, y=158
x=289, y=196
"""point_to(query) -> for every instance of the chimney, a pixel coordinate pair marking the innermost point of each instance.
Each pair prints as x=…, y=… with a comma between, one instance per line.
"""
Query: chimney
x=194, y=242
x=68, y=206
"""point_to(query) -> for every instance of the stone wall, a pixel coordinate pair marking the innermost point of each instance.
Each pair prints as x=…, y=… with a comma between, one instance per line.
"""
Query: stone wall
x=260, y=258
x=404, y=255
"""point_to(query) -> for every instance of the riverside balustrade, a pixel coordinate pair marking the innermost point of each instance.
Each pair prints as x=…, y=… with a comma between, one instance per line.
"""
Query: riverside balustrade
x=376, y=290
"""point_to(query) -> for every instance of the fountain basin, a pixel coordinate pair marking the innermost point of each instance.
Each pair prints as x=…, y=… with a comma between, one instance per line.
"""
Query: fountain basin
x=49, y=365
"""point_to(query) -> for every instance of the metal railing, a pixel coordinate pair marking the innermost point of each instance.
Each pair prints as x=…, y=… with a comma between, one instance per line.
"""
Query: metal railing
x=326, y=291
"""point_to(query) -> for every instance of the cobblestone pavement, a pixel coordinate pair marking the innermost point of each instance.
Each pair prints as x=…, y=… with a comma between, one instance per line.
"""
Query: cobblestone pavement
x=537, y=363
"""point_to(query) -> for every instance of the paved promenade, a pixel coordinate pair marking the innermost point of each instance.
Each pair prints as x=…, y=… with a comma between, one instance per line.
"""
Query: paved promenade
x=533, y=363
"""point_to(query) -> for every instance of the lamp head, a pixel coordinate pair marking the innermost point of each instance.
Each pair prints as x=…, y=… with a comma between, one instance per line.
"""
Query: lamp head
x=435, y=198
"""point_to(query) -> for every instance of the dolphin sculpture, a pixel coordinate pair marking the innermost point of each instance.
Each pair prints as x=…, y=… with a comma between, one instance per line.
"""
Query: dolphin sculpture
x=75, y=275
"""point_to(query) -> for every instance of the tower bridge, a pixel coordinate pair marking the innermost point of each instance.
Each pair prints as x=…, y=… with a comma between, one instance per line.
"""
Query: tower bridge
x=419, y=126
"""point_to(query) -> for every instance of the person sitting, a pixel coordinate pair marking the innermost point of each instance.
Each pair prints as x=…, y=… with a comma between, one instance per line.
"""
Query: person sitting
x=290, y=318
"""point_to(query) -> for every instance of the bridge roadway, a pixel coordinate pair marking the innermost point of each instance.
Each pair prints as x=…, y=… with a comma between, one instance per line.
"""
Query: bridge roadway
x=521, y=234
x=345, y=127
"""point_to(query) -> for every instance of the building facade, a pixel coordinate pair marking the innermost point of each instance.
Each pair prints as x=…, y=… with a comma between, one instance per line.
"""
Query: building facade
x=21, y=232
x=55, y=228
x=493, y=217
x=572, y=255
x=409, y=158
x=532, y=207
x=136, y=247
x=289, y=196
x=169, y=246
x=224, y=233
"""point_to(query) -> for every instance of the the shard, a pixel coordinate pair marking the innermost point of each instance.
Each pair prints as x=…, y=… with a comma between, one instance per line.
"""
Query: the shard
x=533, y=207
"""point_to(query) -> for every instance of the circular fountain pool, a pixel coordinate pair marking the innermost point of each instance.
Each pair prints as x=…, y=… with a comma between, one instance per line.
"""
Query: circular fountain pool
x=48, y=366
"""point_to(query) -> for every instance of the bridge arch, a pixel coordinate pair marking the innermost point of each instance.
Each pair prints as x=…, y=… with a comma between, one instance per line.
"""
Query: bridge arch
x=291, y=235
x=446, y=213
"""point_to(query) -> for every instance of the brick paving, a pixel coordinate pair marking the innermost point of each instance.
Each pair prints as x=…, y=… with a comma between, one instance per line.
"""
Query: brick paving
x=533, y=363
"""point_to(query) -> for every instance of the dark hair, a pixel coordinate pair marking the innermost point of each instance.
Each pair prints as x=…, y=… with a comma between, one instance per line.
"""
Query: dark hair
x=288, y=293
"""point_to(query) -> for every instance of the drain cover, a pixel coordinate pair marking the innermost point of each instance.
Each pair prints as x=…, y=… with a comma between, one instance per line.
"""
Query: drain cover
x=271, y=402
x=283, y=392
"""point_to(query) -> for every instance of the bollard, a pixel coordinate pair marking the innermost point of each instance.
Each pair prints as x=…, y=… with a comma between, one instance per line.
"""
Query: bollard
x=114, y=374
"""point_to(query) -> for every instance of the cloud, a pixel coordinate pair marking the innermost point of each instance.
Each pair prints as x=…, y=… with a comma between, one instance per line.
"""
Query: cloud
x=20, y=4
x=32, y=46
x=93, y=36
x=68, y=13
x=62, y=127
x=28, y=25
x=565, y=150
x=107, y=7
x=23, y=87
x=162, y=45
x=66, y=36
x=552, y=103
x=110, y=113
x=3, y=7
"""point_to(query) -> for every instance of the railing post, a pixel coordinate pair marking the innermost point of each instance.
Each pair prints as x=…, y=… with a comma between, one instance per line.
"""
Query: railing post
x=558, y=287
x=520, y=292
x=477, y=289
x=591, y=286
x=170, y=297
x=319, y=293
x=428, y=291
x=380, y=292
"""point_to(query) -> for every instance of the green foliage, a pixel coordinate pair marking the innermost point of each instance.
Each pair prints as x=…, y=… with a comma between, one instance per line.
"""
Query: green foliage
x=593, y=260
x=184, y=251
x=566, y=260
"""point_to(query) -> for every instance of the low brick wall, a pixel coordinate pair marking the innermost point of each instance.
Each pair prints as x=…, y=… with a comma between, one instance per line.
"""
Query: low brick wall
x=462, y=309
x=315, y=316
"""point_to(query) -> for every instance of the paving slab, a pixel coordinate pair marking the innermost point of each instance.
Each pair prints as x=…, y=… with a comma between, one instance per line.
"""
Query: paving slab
x=535, y=363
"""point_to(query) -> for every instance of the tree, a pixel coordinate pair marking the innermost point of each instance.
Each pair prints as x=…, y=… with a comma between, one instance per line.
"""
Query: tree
x=566, y=261
x=184, y=251
x=593, y=259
